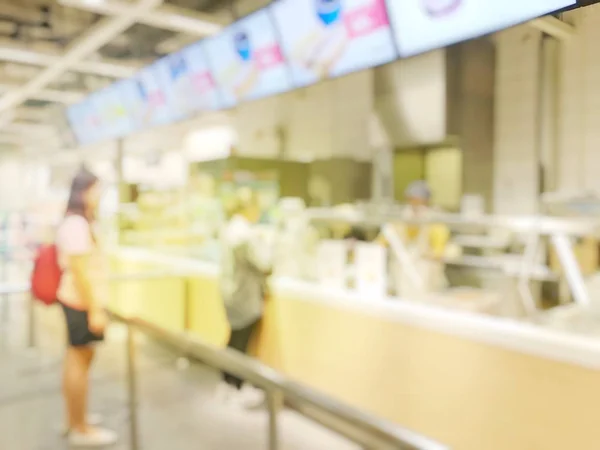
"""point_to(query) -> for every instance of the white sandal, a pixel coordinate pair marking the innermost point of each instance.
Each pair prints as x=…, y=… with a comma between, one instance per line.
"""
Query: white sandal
x=92, y=420
x=98, y=437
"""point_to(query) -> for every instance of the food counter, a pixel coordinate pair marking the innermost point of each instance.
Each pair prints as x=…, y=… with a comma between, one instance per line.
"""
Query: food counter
x=471, y=381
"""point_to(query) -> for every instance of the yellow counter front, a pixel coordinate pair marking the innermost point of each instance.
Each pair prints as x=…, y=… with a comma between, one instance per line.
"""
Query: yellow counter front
x=160, y=300
x=472, y=382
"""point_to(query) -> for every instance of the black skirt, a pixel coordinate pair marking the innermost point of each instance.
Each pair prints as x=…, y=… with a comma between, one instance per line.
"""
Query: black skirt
x=78, y=328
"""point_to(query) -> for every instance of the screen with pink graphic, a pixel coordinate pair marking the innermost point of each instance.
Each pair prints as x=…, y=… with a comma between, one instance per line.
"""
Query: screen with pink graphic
x=423, y=25
x=150, y=104
x=192, y=84
x=329, y=38
x=247, y=61
x=85, y=122
x=112, y=115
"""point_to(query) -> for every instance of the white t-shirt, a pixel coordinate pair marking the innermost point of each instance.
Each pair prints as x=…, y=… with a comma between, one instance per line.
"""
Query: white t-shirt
x=74, y=237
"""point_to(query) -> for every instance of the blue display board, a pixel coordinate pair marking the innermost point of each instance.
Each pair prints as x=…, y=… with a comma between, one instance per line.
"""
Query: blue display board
x=422, y=25
x=247, y=61
x=84, y=122
x=151, y=101
x=193, y=86
x=113, y=117
x=329, y=38
x=291, y=43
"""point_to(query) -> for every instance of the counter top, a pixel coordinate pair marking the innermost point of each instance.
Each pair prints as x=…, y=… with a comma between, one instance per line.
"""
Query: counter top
x=176, y=263
x=560, y=345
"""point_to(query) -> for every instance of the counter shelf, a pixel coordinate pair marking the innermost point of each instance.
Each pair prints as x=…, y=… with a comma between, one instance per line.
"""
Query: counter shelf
x=521, y=246
x=495, y=369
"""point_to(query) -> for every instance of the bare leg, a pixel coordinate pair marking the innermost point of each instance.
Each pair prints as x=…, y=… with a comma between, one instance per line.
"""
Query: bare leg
x=75, y=386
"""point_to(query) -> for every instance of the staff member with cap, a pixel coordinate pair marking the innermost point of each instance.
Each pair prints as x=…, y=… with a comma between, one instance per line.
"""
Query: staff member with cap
x=425, y=244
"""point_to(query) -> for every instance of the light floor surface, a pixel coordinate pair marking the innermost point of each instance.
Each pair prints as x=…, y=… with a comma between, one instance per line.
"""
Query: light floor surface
x=178, y=409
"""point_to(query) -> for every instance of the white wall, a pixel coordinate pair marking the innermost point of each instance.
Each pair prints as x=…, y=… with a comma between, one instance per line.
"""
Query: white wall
x=579, y=103
x=330, y=119
x=576, y=164
x=12, y=187
x=515, y=160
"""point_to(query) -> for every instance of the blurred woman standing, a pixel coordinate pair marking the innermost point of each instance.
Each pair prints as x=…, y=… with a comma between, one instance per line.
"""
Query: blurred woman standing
x=81, y=295
x=245, y=266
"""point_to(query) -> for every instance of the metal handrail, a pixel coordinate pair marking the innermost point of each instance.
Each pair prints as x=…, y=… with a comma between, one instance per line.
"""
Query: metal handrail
x=522, y=224
x=359, y=427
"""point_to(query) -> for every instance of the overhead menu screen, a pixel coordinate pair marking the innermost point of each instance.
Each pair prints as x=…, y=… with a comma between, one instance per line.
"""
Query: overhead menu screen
x=247, y=61
x=84, y=122
x=192, y=83
x=329, y=38
x=422, y=25
x=150, y=104
x=113, y=118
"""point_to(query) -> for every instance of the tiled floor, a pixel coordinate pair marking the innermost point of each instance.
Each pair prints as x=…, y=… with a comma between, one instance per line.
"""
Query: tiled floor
x=177, y=409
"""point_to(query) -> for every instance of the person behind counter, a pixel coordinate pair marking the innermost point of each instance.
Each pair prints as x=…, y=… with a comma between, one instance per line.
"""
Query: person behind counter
x=425, y=243
x=245, y=266
x=81, y=295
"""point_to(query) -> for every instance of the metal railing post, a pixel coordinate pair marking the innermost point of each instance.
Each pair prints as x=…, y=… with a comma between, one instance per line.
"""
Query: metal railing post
x=132, y=389
x=572, y=271
x=32, y=324
x=4, y=306
x=273, y=406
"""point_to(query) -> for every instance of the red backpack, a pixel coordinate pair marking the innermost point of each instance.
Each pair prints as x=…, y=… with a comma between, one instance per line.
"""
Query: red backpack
x=46, y=275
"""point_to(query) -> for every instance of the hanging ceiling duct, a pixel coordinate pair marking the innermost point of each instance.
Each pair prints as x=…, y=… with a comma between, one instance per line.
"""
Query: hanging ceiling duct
x=410, y=99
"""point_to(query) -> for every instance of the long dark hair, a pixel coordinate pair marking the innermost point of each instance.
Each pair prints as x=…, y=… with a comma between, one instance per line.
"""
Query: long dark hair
x=80, y=185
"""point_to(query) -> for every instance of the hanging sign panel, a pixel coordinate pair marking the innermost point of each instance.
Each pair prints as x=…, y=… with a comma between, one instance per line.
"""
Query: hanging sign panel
x=192, y=83
x=85, y=122
x=151, y=104
x=247, y=61
x=329, y=38
x=423, y=25
x=113, y=116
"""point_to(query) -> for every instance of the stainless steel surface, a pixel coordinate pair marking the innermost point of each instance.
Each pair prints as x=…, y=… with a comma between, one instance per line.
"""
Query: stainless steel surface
x=525, y=272
x=403, y=257
x=362, y=428
x=573, y=275
x=132, y=390
x=500, y=263
x=4, y=307
x=31, y=328
x=525, y=229
x=520, y=224
x=273, y=405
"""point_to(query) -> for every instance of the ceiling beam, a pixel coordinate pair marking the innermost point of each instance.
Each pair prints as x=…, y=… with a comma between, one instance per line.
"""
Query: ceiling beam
x=32, y=114
x=31, y=129
x=21, y=140
x=167, y=17
x=554, y=27
x=95, y=38
x=12, y=52
x=47, y=95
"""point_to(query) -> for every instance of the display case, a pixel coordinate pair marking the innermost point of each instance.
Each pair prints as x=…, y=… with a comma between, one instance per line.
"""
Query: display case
x=511, y=258
x=336, y=337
